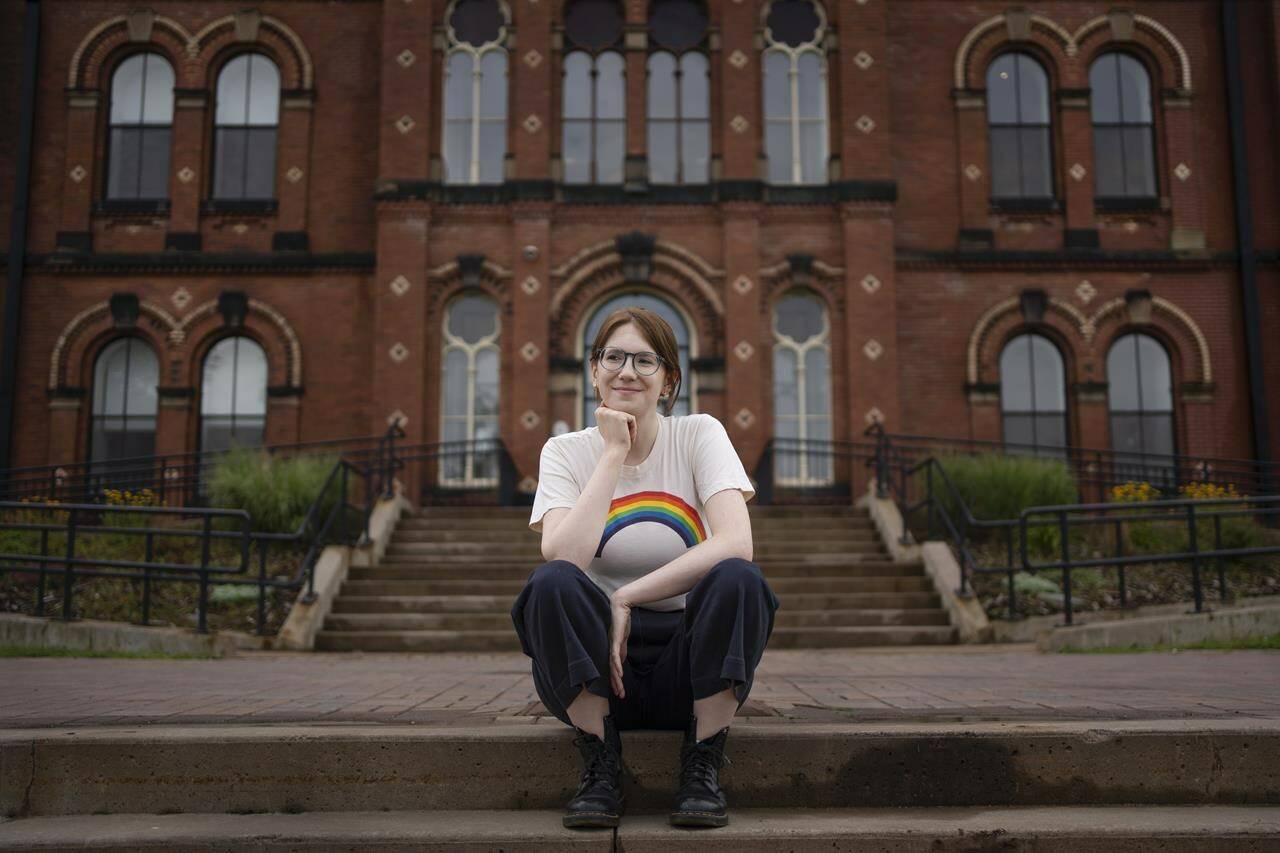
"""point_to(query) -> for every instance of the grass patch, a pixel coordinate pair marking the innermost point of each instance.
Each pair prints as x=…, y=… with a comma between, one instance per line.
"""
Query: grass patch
x=16, y=651
x=1269, y=642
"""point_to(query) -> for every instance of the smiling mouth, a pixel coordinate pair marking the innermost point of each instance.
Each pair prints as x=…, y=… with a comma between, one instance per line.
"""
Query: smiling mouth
x=631, y=390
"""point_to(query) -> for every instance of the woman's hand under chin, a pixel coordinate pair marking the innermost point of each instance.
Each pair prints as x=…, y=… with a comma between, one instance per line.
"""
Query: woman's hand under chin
x=618, y=428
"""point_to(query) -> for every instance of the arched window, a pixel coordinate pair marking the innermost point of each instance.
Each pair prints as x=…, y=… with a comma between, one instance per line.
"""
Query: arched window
x=123, y=423
x=795, y=93
x=244, y=142
x=1123, y=139
x=663, y=309
x=141, y=125
x=475, y=93
x=679, y=102
x=1140, y=400
x=1033, y=395
x=1018, y=121
x=469, y=392
x=593, y=145
x=233, y=395
x=802, y=390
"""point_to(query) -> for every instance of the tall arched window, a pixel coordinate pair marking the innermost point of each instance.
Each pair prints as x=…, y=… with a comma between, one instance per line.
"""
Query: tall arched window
x=1123, y=138
x=475, y=93
x=1140, y=400
x=679, y=102
x=1033, y=394
x=123, y=422
x=141, y=126
x=593, y=144
x=663, y=309
x=795, y=93
x=244, y=142
x=802, y=390
x=233, y=395
x=469, y=392
x=1018, y=121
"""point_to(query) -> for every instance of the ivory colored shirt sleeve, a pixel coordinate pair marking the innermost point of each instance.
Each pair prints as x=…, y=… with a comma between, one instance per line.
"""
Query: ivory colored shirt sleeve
x=556, y=484
x=716, y=465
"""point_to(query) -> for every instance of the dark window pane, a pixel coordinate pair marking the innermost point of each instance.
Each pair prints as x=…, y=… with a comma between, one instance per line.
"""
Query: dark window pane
x=264, y=91
x=1157, y=390
x=778, y=147
x=793, y=22
x=1051, y=430
x=1157, y=434
x=1033, y=91
x=457, y=151
x=811, y=86
x=472, y=318
x=476, y=22
x=1019, y=429
x=126, y=158
x=1015, y=375
x=1104, y=90
x=1108, y=162
x=1005, y=174
x=457, y=85
x=154, y=181
x=813, y=151
x=126, y=91
x=1139, y=170
x=1037, y=166
x=493, y=150
x=777, y=85
x=493, y=85
x=662, y=152
x=1047, y=376
x=1002, y=95
x=677, y=24
x=229, y=163
x=593, y=24
x=233, y=90
x=577, y=86
x=799, y=316
x=260, y=177
x=662, y=86
x=1135, y=90
x=610, y=151
x=611, y=93
x=1122, y=375
x=695, y=151
x=695, y=98
x=576, y=151
x=157, y=105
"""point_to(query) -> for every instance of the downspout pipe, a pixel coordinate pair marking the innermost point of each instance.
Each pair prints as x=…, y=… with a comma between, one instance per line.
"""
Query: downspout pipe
x=1249, y=302
x=18, y=231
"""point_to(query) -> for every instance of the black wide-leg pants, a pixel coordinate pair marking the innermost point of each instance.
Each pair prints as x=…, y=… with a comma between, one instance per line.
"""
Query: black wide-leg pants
x=673, y=657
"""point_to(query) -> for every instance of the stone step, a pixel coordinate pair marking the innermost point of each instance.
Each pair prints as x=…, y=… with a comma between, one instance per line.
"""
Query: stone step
x=480, y=586
x=520, y=571
x=484, y=536
x=775, y=511
x=500, y=620
x=337, y=768
x=1043, y=829
x=836, y=563
x=532, y=550
x=349, y=603
x=860, y=524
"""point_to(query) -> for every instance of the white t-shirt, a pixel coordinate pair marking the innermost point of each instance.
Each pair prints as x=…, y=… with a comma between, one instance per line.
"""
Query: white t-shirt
x=657, y=509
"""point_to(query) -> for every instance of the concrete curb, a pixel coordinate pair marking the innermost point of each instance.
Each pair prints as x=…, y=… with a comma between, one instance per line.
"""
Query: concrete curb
x=1177, y=630
x=967, y=615
x=305, y=620
x=99, y=635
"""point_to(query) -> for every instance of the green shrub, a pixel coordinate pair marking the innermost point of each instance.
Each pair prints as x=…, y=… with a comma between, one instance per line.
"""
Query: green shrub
x=277, y=493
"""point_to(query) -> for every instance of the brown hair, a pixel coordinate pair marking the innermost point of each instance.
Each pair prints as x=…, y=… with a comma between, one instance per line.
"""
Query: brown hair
x=657, y=332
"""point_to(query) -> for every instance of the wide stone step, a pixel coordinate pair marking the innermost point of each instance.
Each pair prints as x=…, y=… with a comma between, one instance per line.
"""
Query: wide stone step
x=1043, y=829
x=482, y=586
x=500, y=620
x=772, y=511
x=837, y=563
x=840, y=637
x=859, y=524
x=520, y=571
x=527, y=550
x=337, y=768
x=485, y=536
x=499, y=640
x=348, y=603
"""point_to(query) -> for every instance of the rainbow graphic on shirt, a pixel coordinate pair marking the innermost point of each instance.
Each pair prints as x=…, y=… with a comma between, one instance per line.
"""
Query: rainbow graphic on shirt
x=658, y=507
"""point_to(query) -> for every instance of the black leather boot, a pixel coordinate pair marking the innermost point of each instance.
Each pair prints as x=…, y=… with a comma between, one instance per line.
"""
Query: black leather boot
x=700, y=800
x=599, y=798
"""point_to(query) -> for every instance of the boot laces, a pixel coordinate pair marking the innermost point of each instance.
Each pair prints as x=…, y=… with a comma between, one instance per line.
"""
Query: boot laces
x=601, y=763
x=701, y=764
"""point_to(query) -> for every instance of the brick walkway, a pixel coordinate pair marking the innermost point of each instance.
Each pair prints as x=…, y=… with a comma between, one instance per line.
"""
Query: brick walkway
x=987, y=683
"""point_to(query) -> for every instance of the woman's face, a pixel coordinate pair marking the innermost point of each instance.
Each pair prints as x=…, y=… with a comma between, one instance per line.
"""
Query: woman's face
x=626, y=390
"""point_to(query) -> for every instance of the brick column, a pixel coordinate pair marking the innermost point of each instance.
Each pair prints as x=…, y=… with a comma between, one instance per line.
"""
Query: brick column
x=748, y=342
x=527, y=408
x=636, y=168
x=972, y=165
x=174, y=422
x=740, y=130
x=187, y=178
x=1182, y=174
x=407, y=92
x=78, y=175
x=862, y=114
x=1077, y=156
x=293, y=170
x=533, y=80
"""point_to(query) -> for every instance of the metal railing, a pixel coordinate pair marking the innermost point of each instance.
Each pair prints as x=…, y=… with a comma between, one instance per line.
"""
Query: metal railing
x=339, y=514
x=440, y=471
x=922, y=485
x=798, y=470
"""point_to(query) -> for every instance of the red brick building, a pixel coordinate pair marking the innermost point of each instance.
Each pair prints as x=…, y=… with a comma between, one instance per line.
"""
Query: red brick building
x=299, y=220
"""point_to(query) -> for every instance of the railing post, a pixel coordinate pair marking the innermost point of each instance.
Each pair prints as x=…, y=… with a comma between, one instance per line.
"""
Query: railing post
x=68, y=569
x=40, y=583
x=930, y=518
x=262, y=587
x=1194, y=546
x=1124, y=590
x=146, y=579
x=202, y=605
x=1063, y=529
x=1221, y=562
x=882, y=463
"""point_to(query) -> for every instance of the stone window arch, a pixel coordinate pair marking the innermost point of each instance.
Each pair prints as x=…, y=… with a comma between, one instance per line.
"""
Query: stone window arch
x=475, y=92
x=802, y=406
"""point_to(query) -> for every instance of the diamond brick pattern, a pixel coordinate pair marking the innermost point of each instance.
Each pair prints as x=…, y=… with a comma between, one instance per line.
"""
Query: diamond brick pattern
x=399, y=285
x=744, y=350
x=398, y=352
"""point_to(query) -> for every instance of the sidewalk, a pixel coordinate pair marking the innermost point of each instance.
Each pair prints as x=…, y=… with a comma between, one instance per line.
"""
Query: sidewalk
x=837, y=685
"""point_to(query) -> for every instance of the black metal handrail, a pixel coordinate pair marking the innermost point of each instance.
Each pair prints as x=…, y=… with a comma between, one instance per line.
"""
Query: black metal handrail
x=323, y=524
x=432, y=461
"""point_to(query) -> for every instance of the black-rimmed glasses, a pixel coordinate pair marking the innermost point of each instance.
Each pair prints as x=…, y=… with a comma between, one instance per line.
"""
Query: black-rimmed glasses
x=646, y=363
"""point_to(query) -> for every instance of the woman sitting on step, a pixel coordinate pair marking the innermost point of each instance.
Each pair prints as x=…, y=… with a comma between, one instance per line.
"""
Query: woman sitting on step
x=649, y=612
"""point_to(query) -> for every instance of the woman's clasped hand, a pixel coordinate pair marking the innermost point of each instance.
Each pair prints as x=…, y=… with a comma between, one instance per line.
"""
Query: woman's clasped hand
x=617, y=428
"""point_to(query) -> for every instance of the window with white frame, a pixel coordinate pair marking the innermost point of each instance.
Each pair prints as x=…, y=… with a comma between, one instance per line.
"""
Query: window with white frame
x=1033, y=396
x=125, y=400
x=1018, y=128
x=141, y=128
x=678, y=107
x=795, y=93
x=802, y=390
x=594, y=94
x=1123, y=130
x=1140, y=404
x=469, y=392
x=233, y=395
x=245, y=125
x=475, y=92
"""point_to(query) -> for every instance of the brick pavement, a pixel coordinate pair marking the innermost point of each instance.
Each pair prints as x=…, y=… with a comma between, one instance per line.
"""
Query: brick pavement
x=958, y=683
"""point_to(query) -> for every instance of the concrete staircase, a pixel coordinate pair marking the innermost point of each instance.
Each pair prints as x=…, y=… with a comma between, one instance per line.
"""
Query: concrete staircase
x=450, y=575
x=1090, y=787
